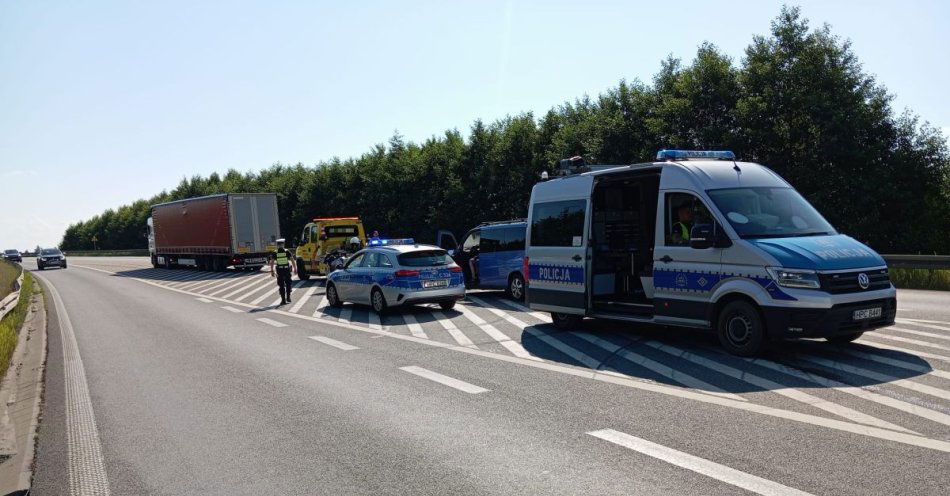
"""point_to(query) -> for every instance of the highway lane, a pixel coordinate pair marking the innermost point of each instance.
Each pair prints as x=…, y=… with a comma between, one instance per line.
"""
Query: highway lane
x=192, y=393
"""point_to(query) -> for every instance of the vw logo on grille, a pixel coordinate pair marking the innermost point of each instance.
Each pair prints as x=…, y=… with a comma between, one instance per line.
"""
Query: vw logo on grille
x=863, y=280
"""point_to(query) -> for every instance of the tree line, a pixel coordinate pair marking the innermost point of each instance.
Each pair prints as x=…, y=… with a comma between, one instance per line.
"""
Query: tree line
x=798, y=102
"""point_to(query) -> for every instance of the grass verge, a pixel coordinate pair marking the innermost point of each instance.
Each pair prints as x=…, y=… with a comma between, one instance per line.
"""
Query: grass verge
x=11, y=323
x=9, y=271
x=938, y=279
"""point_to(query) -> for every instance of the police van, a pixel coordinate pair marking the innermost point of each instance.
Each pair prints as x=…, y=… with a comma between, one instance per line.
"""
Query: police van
x=698, y=239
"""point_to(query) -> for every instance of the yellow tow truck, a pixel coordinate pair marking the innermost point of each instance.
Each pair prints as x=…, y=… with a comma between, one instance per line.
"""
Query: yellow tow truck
x=322, y=237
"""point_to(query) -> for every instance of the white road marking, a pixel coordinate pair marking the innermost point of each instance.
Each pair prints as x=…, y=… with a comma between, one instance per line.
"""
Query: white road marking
x=334, y=343
x=699, y=465
x=877, y=376
x=922, y=320
x=454, y=331
x=543, y=317
x=232, y=309
x=775, y=387
x=414, y=328
x=374, y=321
x=444, y=380
x=321, y=306
x=940, y=418
x=263, y=286
x=271, y=322
x=672, y=391
x=300, y=301
x=662, y=369
x=204, y=300
x=87, y=471
x=917, y=342
x=240, y=283
x=926, y=323
x=346, y=313
x=216, y=285
x=293, y=285
x=511, y=345
x=915, y=353
x=195, y=284
x=578, y=355
x=169, y=278
x=918, y=333
x=894, y=362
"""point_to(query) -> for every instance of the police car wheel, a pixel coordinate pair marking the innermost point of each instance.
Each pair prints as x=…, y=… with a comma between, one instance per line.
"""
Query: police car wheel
x=378, y=301
x=333, y=299
x=565, y=320
x=516, y=287
x=447, y=305
x=740, y=329
x=845, y=338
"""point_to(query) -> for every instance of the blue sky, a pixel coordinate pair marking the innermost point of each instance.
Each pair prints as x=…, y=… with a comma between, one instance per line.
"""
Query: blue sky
x=103, y=103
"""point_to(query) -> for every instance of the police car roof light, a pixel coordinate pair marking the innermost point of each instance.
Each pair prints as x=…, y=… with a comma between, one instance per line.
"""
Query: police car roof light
x=390, y=242
x=695, y=154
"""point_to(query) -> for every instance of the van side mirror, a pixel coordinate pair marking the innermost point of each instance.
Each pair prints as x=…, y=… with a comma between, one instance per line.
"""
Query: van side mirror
x=703, y=236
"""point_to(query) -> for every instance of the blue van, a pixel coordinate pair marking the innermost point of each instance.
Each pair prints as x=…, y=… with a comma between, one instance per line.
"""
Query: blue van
x=492, y=257
x=699, y=239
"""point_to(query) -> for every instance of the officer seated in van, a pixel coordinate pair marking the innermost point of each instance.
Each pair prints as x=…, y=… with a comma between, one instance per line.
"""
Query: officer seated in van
x=679, y=232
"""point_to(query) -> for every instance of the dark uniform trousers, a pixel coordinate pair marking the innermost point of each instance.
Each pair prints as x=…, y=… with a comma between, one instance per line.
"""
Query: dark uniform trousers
x=283, y=282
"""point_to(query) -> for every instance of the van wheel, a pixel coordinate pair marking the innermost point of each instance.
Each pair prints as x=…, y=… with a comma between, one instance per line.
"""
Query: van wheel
x=378, y=301
x=741, y=329
x=515, y=289
x=565, y=320
x=333, y=299
x=845, y=338
x=302, y=271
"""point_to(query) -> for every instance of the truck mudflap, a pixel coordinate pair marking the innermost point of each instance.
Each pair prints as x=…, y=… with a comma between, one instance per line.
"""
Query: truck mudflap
x=841, y=319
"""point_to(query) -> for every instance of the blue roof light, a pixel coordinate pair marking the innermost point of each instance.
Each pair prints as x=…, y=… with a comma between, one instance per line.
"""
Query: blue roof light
x=701, y=154
x=396, y=241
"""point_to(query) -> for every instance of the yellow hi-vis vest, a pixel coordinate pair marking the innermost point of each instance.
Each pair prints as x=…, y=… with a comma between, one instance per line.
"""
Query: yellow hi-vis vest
x=282, y=260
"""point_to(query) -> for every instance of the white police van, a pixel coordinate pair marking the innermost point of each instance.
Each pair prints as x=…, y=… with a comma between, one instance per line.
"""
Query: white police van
x=697, y=239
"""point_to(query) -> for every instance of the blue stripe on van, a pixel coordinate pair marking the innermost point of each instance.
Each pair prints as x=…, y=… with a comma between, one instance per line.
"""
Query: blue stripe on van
x=559, y=274
x=686, y=281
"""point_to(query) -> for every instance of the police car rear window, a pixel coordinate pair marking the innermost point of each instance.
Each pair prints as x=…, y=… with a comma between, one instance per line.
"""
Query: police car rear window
x=425, y=258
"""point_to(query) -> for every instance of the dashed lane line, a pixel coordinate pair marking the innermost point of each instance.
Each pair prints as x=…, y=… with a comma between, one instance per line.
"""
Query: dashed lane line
x=444, y=380
x=86, y=467
x=271, y=322
x=334, y=343
x=722, y=473
x=672, y=391
x=204, y=300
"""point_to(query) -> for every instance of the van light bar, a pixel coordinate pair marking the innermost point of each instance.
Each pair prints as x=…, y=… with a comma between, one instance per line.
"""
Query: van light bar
x=688, y=154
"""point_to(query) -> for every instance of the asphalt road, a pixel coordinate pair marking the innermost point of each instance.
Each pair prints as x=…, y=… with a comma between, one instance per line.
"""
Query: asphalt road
x=171, y=382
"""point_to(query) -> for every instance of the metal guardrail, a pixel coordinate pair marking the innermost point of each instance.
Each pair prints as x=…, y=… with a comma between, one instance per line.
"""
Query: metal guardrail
x=10, y=301
x=918, y=261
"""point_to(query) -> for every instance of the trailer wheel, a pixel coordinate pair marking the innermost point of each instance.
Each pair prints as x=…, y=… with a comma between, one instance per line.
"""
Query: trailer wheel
x=302, y=271
x=155, y=262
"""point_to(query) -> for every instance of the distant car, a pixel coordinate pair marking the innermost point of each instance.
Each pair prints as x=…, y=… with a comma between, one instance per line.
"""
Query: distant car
x=13, y=256
x=50, y=257
x=396, y=273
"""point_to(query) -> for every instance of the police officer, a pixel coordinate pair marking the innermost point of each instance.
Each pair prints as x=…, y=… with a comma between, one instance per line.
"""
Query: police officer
x=680, y=231
x=281, y=258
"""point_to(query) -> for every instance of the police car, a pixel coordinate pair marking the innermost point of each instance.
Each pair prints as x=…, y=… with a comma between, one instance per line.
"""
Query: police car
x=699, y=239
x=396, y=272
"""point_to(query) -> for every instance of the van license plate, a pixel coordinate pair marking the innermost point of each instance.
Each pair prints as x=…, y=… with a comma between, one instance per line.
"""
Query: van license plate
x=437, y=283
x=867, y=313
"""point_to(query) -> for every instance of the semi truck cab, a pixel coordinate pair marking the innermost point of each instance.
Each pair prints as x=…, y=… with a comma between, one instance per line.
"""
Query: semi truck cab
x=699, y=239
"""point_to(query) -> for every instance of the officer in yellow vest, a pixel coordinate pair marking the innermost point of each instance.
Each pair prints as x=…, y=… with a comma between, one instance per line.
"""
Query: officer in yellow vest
x=281, y=258
x=680, y=231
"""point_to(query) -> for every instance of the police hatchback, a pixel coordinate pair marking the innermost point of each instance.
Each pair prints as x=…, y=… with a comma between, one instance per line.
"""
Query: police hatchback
x=699, y=239
x=397, y=272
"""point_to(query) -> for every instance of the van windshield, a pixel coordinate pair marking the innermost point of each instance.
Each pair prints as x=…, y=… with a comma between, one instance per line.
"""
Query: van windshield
x=769, y=213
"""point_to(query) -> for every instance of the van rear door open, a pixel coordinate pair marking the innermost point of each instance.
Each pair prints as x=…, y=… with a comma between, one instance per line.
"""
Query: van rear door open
x=557, y=245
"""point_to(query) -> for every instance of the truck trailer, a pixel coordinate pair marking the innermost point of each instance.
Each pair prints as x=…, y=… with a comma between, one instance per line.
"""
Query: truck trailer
x=214, y=232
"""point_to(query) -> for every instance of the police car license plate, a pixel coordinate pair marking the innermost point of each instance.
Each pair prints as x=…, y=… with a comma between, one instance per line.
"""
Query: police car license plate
x=437, y=283
x=867, y=313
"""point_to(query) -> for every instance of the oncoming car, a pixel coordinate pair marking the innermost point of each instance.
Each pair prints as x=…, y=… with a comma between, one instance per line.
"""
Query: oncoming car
x=50, y=257
x=396, y=273
x=13, y=256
